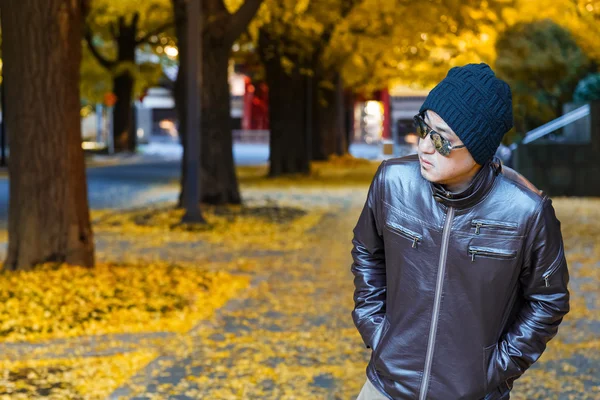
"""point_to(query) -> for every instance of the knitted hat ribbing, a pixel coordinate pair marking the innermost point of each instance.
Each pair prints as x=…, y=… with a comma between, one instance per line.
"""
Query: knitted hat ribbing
x=476, y=105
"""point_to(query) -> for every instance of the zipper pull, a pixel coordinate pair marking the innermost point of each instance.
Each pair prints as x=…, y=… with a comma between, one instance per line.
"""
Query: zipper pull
x=546, y=280
x=473, y=255
x=415, y=240
x=477, y=228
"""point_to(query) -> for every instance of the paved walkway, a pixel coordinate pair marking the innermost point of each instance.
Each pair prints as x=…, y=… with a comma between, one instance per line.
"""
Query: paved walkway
x=291, y=336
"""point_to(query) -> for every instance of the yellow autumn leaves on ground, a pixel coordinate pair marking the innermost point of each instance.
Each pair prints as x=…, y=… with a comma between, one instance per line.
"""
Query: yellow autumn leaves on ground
x=56, y=301
x=289, y=335
x=71, y=378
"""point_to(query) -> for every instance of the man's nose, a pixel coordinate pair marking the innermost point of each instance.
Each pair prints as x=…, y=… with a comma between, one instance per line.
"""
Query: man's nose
x=426, y=145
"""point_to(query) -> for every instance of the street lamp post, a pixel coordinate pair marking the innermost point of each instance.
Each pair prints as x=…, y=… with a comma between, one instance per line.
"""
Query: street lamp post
x=191, y=197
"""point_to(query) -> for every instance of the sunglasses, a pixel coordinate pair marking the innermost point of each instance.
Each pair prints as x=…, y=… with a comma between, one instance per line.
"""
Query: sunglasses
x=443, y=146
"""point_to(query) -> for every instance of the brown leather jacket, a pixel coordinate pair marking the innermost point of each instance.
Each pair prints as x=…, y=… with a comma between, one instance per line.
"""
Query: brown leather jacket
x=456, y=294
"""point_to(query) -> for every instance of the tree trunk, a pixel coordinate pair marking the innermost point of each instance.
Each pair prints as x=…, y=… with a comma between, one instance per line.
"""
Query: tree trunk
x=218, y=178
x=330, y=119
x=318, y=152
x=123, y=131
x=48, y=209
x=340, y=123
x=287, y=104
x=326, y=122
x=349, y=118
x=122, y=122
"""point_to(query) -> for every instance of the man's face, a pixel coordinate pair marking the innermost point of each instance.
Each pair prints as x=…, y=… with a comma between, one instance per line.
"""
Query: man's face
x=456, y=168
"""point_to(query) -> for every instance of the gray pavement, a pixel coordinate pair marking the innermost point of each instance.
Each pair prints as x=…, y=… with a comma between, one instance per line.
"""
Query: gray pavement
x=146, y=178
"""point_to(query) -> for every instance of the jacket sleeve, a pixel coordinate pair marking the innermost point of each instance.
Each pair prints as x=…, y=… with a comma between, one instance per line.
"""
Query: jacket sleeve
x=544, y=278
x=368, y=266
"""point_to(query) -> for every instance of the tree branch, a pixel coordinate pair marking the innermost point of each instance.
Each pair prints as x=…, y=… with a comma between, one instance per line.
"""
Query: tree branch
x=113, y=30
x=101, y=59
x=239, y=21
x=159, y=29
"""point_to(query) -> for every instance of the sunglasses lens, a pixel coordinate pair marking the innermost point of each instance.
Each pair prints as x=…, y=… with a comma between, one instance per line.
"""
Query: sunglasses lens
x=440, y=144
x=437, y=141
x=420, y=126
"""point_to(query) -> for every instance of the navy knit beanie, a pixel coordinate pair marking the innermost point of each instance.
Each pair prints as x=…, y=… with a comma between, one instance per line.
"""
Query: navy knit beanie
x=476, y=105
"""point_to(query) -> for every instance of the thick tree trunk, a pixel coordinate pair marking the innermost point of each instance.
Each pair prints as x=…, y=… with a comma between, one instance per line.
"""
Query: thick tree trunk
x=122, y=115
x=48, y=209
x=340, y=123
x=218, y=178
x=287, y=106
x=330, y=120
x=123, y=131
x=326, y=123
x=349, y=118
x=318, y=153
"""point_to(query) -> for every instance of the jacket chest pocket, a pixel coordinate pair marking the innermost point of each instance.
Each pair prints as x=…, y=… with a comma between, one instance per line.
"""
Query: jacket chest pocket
x=476, y=252
x=484, y=226
x=414, y=237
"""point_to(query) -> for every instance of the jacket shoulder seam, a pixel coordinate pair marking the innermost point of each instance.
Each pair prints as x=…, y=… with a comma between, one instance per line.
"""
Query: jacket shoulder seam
x=538, y=193
x=534, y=215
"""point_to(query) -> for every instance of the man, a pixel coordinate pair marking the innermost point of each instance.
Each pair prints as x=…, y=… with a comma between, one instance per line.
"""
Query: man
x=459, y=265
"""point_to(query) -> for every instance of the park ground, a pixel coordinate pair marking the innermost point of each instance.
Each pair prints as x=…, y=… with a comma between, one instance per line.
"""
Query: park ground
x=254, y=306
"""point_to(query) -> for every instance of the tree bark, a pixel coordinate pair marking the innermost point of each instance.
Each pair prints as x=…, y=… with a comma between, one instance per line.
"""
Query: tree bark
x=48, y=207
x=341, y=135
x=123, y=132
x=122, y=115
x=218, y=180
x=288, y=145
x=325, y=120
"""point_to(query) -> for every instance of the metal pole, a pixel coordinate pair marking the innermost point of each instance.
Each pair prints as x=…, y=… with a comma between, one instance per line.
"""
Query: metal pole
x=193, y=48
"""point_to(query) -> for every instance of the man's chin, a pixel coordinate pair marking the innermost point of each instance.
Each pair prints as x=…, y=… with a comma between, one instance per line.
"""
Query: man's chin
x=428, y=175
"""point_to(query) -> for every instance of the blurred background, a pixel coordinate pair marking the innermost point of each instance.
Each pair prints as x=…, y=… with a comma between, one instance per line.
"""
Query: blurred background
x=179, y=181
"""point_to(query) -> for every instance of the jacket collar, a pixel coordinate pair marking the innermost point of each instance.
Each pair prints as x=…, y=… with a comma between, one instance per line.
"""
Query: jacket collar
x=480, y=185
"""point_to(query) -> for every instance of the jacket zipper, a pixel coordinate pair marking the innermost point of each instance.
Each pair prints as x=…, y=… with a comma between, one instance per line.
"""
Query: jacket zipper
x=415, y=238
x=482, y=223
x=487, y=252
x=546, y=276
x=436, y=304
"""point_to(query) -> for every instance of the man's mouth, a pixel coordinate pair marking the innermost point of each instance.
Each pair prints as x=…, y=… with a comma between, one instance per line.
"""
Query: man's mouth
x=426, y=162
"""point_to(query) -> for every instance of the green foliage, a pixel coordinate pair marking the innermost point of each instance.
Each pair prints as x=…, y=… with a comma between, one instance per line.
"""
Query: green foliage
x=588, y=89
x=542, y=63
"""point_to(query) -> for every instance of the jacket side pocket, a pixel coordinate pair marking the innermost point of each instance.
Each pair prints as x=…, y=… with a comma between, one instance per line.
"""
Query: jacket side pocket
x=379, y=333
x=487, y=355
